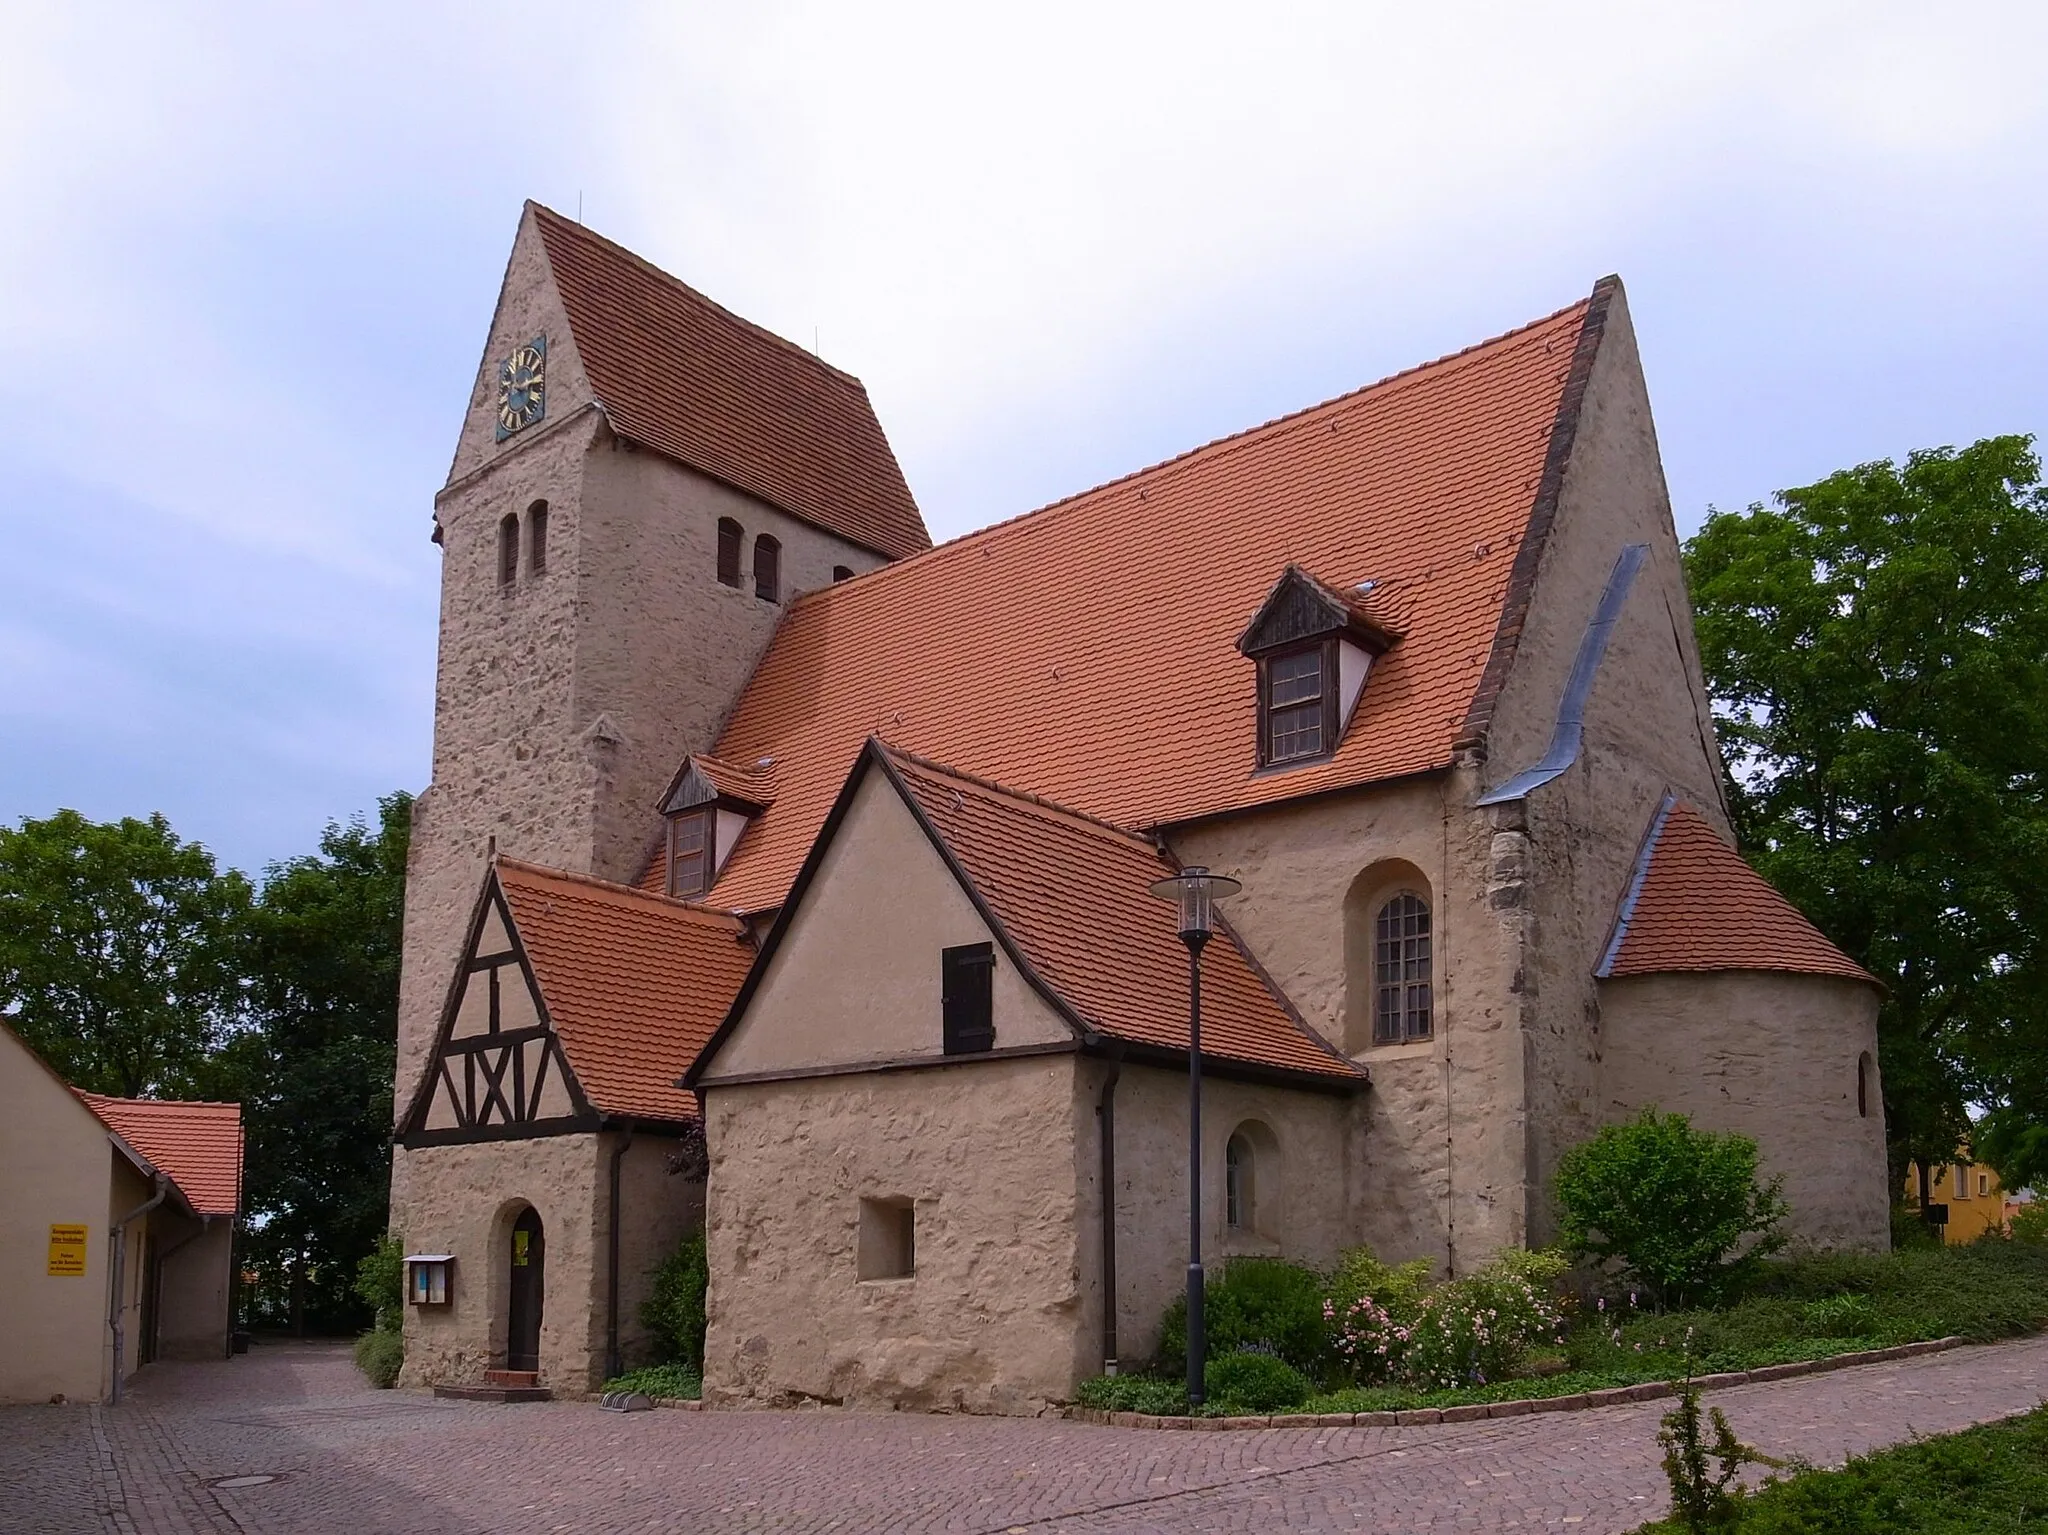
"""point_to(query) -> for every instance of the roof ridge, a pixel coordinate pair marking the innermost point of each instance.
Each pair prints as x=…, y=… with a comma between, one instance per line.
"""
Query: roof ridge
x=583, y=231
x=1229, y=442
x=720, y=914
x=163, y=1103
x=1025, y=796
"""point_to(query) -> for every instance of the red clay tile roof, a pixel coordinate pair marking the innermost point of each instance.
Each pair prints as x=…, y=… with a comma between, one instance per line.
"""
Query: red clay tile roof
x=1695, y=904
x=689, y=379
x=197, y=1145
x=1072, y=894
x=752, y=785
x=1086, y=651
x=634, y=983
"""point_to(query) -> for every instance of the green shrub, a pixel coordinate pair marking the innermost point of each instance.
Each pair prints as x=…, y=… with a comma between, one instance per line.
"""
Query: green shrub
x=1909, y=1229
x=1255, y=1303
x=1681, y=1211
x=1841, y=1316
x=673, y=1312
x=1704, y=1498
x=669, y=1380
x=1253, y=1382
x=1134, y=1393
x=380, y=1354
x=380, y=1282
x=2029, y=1224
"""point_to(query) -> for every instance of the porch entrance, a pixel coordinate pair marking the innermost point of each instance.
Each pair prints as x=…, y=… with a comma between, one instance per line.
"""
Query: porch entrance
x=529, y=1289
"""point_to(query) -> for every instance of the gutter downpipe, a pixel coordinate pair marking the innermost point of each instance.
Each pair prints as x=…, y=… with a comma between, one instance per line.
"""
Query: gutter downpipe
x=612, y=1362
x=119, y=1266
x=1106, y=1109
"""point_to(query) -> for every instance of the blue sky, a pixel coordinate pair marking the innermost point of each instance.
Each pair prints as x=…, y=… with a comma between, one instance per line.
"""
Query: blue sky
x=249, y=254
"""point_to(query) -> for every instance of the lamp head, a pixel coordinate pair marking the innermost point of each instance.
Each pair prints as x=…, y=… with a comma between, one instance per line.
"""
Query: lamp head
x=1195, y=891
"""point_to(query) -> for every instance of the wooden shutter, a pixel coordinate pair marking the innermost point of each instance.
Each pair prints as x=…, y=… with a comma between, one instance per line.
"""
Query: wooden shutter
x=967, y=998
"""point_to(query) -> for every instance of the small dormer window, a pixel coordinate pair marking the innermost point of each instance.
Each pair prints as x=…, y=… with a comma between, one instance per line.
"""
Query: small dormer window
x=708, y=807
x=690, y=852
x=1299, y=703
x=1313, y=646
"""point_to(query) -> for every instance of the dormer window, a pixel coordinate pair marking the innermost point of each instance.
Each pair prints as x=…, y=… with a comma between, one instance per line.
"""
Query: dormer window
x=690, y=852
x=1312, y=645
x=1297, y=704
x=708, y=808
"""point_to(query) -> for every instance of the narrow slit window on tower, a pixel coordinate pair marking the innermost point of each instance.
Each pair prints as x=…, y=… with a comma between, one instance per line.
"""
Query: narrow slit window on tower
x=1238, y=1161
x=537, y=539
x=729, y=539
x=1401, y=971
x=508, y=550
x=768, y=568
x=967, y=998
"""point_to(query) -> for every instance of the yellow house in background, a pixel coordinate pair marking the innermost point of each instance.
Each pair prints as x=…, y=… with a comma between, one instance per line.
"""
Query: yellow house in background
x=1976, y=1200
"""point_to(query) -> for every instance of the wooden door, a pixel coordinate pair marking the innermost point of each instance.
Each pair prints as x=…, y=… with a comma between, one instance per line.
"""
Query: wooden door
x=529, y=1290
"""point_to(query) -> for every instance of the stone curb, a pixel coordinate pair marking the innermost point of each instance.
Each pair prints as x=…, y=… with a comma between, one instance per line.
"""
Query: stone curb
x=1647, y=1391
x=680, y=1403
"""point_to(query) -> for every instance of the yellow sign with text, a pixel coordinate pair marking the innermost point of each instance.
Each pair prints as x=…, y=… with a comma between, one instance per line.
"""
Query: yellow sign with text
x=67, y=1249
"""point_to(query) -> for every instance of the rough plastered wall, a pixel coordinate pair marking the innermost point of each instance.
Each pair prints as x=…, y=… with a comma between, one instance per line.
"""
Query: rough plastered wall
x=192, y=1311
x=1440, y=1144
x=1304, y=1179
x=659, y=1208
x=1773, y=1056
x=993, y=1319
x=56, y=1158
x=1647, y=730
x=856, y=976
x=463, y=1200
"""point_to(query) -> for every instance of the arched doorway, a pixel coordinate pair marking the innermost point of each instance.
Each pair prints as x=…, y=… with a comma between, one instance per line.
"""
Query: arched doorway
x=528, y=1255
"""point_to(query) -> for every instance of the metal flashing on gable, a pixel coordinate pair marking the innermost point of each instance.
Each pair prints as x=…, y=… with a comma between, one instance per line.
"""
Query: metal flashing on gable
x=1635, y=887
x=1570, y=730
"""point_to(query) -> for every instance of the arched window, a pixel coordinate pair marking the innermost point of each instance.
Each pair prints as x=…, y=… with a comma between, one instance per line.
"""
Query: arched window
x=842, y=572
x=1401, y=970
x=1239, y=1186
x=768, y=568
x=508, y=550
x=1866, y=1068
x=537, y=539
x=729, y=537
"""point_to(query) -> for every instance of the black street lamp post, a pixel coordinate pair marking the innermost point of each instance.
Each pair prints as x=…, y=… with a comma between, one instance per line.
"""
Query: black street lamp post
x=1194, y=890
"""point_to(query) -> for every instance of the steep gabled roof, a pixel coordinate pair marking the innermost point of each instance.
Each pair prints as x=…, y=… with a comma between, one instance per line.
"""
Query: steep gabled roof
x=198, y=1146
x=691, y=380
x=634, y=983
x=1069, y=897
x=1693, y=903
x=1087, y=650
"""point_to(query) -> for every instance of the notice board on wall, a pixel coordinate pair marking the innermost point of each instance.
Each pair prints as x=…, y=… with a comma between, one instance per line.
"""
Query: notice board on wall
x=67, y=1250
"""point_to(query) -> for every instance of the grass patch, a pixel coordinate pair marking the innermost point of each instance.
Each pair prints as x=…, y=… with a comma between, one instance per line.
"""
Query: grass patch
x=669, y=1380
x=1982, y=1480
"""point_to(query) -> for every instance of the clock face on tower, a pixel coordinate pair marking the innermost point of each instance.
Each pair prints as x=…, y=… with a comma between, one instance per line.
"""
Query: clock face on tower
x=522, y=387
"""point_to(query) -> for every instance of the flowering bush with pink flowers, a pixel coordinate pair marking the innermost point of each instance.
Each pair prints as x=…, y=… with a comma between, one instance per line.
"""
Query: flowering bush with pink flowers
x=1465, y=1332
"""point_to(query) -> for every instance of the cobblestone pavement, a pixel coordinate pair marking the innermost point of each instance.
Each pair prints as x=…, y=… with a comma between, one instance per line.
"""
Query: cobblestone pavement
x=350, y=1461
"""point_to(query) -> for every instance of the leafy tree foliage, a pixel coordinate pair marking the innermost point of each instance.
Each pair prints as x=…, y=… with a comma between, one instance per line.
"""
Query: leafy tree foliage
x=1877, y=648
x=314, y=1071
x=1682, y=1211
x=118, y=951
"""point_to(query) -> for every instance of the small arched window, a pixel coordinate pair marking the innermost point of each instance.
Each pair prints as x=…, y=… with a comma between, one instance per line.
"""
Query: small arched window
x=768, y=568
x=1866, y=1068
x=842, y=572
x=537, y=539
x=1239, y=1187
x=729, y=537
x=1401, y=970
x=508, y=550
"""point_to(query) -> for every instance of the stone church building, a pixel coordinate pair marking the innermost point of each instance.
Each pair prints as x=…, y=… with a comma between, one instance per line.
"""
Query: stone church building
x=785, y=873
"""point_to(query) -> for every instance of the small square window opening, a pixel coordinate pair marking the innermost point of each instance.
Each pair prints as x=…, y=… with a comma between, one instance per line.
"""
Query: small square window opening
x=888, y=1239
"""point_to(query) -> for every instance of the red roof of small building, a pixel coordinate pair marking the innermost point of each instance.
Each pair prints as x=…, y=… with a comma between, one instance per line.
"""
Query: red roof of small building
x=198, y=1146
x=1087, y=651
x=634, y=983
x=1695, y=904
x=1073, y=895
x=694, y=381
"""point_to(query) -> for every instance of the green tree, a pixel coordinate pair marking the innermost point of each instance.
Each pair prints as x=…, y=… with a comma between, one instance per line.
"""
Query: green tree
x=118, y=949
x=1682, y=1212
x=1877, y=649
x=321, y=956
